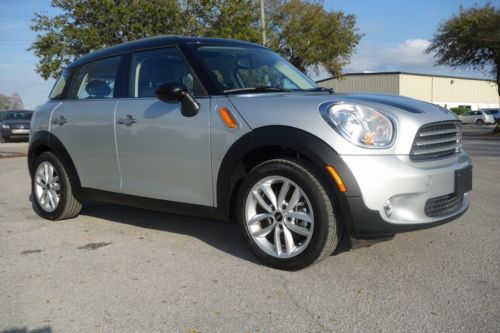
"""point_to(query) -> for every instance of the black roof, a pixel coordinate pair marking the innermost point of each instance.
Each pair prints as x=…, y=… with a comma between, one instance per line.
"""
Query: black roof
x=153, y=42
x=407, y=73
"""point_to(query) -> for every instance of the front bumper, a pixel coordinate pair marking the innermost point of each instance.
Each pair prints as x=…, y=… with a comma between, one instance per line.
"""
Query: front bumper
x=405, y=186
x=15, y=133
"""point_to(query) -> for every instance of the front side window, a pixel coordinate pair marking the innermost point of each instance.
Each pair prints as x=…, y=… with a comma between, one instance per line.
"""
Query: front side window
x=95, y=80
x=239, y=68
x=149, y=69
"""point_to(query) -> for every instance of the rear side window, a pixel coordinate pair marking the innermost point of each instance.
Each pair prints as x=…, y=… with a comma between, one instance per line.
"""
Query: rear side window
x=95, y=80
x=151, y=68
x=58, y=90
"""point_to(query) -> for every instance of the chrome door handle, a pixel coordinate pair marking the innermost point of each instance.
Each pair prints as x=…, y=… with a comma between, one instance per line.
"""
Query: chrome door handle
x=59, y=121
x=128, y=120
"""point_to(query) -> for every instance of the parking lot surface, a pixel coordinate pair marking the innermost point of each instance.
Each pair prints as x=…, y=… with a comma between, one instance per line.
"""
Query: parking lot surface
x=118, y=269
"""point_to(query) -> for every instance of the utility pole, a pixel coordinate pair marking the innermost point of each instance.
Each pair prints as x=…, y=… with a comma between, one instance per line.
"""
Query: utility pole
x=263, y=22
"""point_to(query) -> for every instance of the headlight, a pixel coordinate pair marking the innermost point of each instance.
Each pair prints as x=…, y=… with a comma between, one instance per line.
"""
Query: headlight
x=361, y=125
x=5, y=126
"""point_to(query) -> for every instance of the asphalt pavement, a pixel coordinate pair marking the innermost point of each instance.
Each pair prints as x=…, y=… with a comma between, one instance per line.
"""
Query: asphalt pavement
x=118, y=269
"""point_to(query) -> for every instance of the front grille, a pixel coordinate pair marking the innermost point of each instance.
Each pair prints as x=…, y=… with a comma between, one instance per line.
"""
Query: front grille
x=443, y=205
x=436, y=141
x=19, y=126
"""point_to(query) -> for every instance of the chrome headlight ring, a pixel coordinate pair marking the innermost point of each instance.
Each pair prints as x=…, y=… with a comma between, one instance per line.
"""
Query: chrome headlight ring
x=363, y=126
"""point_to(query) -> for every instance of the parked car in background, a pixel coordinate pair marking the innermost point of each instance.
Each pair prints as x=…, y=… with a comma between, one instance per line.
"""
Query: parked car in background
x=228, y=129
x=479, y=117
x=494, y=112
x=15, y=125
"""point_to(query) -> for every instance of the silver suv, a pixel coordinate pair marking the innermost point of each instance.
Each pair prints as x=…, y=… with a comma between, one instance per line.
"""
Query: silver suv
x=229, y=130
x=478, y=117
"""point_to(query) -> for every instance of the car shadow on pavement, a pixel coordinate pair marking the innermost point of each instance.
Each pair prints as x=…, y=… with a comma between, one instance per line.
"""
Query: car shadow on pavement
x=45, y=329
x=224, y=236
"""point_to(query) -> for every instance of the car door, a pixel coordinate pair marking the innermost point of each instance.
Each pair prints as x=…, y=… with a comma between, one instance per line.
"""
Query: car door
x=467, y=118
x=161, y=153
x=84, y=123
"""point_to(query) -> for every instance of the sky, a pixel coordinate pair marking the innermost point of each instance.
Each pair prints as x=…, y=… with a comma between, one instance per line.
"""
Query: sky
x=396, y=33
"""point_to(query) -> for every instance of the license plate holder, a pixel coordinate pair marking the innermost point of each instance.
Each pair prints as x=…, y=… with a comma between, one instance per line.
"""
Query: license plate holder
x=463, y=180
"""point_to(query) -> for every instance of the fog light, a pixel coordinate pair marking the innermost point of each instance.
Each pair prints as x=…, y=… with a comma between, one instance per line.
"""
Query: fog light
x=388, y=208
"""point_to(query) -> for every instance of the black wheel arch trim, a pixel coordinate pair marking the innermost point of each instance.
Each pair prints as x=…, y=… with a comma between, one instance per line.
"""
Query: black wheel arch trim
x=306, y=144
x=49, y=142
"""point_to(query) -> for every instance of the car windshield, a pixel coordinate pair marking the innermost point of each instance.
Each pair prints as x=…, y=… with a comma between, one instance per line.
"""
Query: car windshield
x=18, y=115
x=239, y=69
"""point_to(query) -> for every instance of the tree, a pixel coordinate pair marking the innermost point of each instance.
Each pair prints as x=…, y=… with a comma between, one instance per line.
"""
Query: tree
x=4, y=102
x=470, y=39
x=11, y=103
x=300, y=30
x=16, y=102
x=221, y=18
x=309, y=36
x=89, y=25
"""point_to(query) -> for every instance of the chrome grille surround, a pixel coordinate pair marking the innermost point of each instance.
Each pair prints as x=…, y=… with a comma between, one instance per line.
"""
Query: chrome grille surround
x=437, y=140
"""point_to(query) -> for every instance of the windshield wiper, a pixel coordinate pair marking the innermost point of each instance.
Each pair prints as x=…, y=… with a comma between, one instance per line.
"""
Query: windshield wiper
x=321, y=89
x=257, y=89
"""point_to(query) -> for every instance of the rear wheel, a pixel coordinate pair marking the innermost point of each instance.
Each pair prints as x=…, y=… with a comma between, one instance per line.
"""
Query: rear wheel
x=286, y=216
x=51, y=188
x=479, y=122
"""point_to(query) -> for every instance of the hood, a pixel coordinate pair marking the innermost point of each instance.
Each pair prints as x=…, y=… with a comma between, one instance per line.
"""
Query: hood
x=301, y=110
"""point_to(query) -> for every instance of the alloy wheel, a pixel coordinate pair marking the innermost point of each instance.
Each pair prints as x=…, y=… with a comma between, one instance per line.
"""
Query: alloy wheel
x=47, y=187
x=279, y=217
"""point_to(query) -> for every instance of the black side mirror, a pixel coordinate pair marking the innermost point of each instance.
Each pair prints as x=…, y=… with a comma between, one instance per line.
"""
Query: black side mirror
x=174, y=93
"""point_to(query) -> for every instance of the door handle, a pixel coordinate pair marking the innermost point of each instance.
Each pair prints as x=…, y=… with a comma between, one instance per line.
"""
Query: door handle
x=128, y=120
x=59, y=121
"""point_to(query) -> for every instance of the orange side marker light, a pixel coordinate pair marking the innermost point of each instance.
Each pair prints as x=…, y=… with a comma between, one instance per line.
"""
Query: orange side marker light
x=336, y=177
x=228, y=118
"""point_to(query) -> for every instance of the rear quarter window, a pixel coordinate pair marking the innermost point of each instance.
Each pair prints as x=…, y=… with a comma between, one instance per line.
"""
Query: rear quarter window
x=58, y=89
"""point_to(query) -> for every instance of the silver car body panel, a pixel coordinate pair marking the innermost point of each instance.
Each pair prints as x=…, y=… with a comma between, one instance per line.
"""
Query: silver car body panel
x=223, y=137
x=88, y=136
x=41, y=118
x=300, y=110
x=408, y=185
x=381, y=174
x=165, y=155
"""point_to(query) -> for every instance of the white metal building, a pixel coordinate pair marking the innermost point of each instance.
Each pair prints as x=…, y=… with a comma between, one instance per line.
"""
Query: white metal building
x=446, y=91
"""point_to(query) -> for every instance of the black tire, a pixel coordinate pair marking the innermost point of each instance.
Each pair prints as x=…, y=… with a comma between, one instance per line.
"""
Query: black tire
x=327, y=231
x=68, y=207
x=479, y=122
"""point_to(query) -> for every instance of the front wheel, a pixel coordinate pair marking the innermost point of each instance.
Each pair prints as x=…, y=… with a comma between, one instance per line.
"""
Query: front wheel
x=51, y=189
x=286, y=216
x=479, y=122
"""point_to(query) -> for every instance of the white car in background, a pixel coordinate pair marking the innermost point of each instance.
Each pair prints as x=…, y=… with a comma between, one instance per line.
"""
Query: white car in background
x=479, y=117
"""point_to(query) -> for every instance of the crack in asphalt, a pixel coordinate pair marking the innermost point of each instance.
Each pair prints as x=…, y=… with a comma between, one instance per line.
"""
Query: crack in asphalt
x=305, y=309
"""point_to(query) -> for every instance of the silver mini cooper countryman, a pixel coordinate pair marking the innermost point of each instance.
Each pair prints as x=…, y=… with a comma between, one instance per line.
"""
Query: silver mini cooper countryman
x=227, y=129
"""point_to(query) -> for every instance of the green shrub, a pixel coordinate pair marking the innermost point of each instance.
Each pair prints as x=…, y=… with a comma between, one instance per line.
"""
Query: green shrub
x=460, y=110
